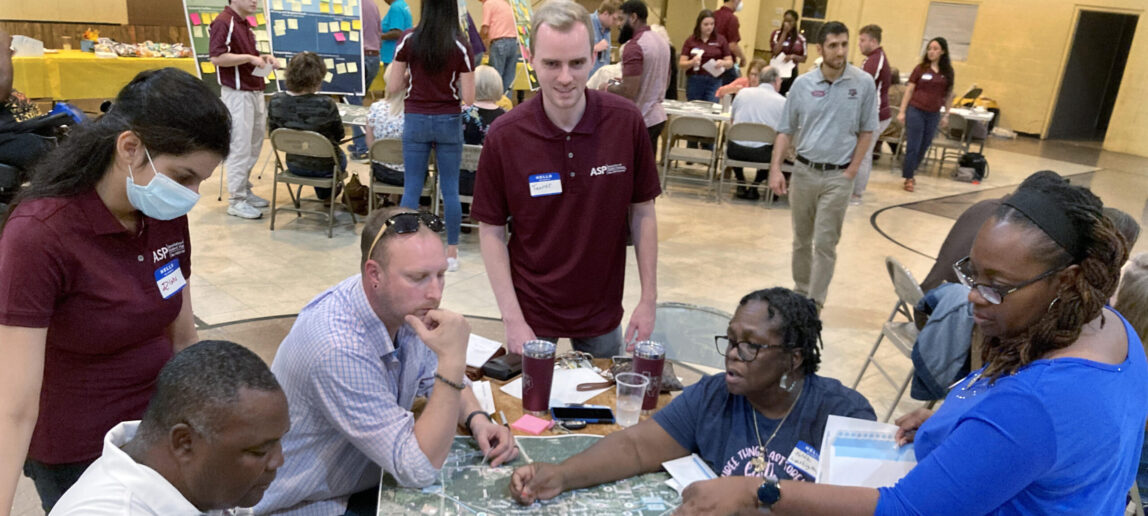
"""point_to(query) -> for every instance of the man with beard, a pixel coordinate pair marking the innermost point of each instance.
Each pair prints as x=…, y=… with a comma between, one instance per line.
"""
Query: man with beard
x=830, y=113
x=645, y=68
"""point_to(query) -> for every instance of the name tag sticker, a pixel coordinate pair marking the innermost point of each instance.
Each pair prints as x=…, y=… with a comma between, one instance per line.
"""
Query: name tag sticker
x=818, y=93
x=805, y=458
x=927, y=77
x=545, y=184
x=169, y=279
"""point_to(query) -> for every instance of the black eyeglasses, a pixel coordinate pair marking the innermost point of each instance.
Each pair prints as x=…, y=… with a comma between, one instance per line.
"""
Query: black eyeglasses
x=993, y=294
x=746, y=351
x=404, y=223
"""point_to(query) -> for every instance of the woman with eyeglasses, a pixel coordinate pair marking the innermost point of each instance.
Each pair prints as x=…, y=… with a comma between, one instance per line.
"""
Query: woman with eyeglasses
x=1054, y=421
x=763, y=418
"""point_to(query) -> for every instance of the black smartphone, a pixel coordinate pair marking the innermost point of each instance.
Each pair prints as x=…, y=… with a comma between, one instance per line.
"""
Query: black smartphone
x=588, y=413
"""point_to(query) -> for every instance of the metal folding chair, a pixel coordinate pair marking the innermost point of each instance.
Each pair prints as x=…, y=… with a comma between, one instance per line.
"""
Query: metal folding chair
x=390, y=150
x=305, y=143
x=745, y=132
x=679, y=129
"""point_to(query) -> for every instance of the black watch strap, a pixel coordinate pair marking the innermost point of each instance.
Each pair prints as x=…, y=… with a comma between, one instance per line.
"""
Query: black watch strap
x=470, y=417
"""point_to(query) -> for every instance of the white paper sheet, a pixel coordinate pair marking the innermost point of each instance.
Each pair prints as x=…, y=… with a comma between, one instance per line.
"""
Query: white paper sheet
x=686, y=471
x=262, y=71
x=484, y=394
x=784, y=68
x=478, y=349
x=713, y=66
x=858, y=452
x=564, y=387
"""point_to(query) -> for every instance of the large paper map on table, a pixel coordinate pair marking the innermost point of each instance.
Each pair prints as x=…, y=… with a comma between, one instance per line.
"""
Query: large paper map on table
x=467, y=487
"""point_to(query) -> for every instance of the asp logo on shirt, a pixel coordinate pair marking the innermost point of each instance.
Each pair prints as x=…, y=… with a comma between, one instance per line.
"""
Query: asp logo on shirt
x=168, y=251
x=616, y=168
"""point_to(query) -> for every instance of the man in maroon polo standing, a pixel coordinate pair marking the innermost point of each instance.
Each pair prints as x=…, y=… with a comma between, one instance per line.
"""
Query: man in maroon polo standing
x=876, y=65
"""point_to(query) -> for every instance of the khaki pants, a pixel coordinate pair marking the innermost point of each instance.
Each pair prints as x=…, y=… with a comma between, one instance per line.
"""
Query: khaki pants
x=817, y=200
x=248, y=125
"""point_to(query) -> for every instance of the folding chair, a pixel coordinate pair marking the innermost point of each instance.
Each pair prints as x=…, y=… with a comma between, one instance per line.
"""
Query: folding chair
x=693, y=127
x=305, y=143
x=744, y=132
x=951, y=139
x=687, y=331
x=390, y=150
x=469, y=161
x=897, y=140
x=901, y=334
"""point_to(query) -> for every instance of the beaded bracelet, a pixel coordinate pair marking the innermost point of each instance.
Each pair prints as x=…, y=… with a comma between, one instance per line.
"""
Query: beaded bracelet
x=456, y=385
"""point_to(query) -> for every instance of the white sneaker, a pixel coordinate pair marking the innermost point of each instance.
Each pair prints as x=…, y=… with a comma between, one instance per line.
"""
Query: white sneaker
x=257, y=201
x=855, y=200
x=244, y=210
x=451, y=264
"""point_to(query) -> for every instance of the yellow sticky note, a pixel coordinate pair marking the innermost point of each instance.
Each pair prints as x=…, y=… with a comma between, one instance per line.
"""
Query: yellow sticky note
x=324, y=7
x=259, y=19
x=306, y=2
x=322, y=28
x=293, y=23
x=271, y=76
x=357, y=25
x=207, y=67
x=329, y=63
x=296, y=8
x=352, y=67
x=338, y=8
x=344, y=26
x=328, y=77
x=206, y=17
x=354, y=36
x=341, y=69
x=197, y=31
x=334, y=26
x=280, y=31
x=277, y=5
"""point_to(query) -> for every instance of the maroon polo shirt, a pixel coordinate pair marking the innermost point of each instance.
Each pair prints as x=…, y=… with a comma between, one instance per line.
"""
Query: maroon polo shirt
x=230, y=34
x=436, y=91
x=66, y=264
x=727, y=24
x=930, y=89
x=716, y=48
x=877, y=65
x=568, y=250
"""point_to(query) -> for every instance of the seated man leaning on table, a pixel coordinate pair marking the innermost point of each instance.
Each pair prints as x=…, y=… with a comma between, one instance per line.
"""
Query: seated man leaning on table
x=354, y=362
x=754, y=420
x=208, y=442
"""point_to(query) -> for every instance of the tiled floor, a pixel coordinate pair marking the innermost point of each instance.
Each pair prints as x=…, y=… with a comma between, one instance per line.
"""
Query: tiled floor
x=709, y=254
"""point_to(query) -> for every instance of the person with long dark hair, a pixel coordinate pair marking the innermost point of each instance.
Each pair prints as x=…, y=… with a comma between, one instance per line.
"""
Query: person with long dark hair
x=1054, y=421
x=703, y=46
x=789, y=42
x=439, y=82
x=95, y=257
x=930, y=89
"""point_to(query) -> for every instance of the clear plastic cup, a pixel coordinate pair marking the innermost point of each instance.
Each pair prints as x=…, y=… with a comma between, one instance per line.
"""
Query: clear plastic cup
x=631, y=388
x=537, y=375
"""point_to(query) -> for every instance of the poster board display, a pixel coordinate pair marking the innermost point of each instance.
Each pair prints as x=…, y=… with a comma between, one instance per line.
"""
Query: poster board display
x=522, y=14
x=333, y=29
x=199, y=15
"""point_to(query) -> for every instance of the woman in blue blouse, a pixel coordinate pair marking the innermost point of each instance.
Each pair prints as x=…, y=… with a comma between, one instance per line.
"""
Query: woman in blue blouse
x=1052, y=424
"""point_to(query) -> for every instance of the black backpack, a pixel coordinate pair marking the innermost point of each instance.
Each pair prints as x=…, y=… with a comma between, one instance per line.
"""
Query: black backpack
x=975, y=161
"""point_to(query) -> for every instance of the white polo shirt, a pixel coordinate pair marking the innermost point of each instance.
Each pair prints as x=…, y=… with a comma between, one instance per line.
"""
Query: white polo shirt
x=759, y=105
x=117, y=485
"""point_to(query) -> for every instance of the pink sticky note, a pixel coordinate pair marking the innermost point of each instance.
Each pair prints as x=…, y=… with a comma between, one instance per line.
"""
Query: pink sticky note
x=531, y=425
x=195, y=19
x=340, y=37
x=251, y=21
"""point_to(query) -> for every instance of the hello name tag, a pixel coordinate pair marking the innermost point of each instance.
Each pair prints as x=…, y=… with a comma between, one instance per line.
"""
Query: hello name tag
x=169, y=279
x=805, y=458
x=545, y=184
x=927, y=77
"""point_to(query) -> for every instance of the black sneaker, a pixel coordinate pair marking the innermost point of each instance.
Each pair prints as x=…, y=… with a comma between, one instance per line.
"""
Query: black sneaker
x=742, y=192
x=753, y=194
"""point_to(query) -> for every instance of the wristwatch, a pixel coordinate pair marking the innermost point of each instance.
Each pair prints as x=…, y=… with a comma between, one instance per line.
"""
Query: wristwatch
x=768, y=493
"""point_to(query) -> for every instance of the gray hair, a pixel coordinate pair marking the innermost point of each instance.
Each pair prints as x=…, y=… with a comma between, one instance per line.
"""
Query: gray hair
x=768, y=75
x=561, y=15
x=200, y=385
x=487, y=84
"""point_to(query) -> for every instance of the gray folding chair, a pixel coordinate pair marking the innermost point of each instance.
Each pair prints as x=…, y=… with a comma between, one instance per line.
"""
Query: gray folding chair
x=950, y=139
x=744, y=132
x=688, y=332
x=390, y=150
x=470, y=155
x=680, y=129
x=902, y=334
x=305, y=143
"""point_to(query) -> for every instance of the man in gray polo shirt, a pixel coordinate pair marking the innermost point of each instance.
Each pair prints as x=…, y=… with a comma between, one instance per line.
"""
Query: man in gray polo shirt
x=830, y=113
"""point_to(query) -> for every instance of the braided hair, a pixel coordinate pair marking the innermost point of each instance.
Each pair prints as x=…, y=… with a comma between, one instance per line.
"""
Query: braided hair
x=1104, y=252
x=797, y=317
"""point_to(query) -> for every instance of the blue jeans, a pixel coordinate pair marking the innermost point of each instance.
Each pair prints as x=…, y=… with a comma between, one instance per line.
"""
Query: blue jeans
x=702, y=87
x=322, y=193
x=52, y=480
x=443, y=133
x=920, y=126
x=370, y=70
x=504, y=58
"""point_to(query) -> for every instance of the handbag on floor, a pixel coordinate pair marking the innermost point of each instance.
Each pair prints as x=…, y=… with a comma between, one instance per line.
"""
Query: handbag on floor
x=356, y=195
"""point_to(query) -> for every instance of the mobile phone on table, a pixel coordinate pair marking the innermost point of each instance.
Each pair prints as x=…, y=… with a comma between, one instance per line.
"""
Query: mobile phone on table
x=589, y=413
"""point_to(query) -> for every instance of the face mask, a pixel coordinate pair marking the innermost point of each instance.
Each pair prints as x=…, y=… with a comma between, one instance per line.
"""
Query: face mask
x=162, y=198
x=626, y=34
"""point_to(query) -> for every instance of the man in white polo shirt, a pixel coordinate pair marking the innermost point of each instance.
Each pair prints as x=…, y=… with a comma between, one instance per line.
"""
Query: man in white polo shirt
x=760, y=104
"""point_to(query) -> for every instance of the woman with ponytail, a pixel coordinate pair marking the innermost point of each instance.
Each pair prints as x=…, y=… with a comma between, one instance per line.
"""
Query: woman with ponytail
x=1054, y=421
x=94, y=260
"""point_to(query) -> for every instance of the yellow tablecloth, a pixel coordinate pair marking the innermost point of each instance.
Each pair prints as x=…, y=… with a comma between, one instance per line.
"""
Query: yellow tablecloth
x=72, y=74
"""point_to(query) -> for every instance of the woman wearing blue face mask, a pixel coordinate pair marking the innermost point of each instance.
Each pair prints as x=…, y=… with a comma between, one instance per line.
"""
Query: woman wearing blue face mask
x=94, y=261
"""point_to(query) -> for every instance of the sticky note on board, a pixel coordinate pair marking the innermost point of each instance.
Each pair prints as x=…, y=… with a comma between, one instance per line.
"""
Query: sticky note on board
x=334, y=26
x=195, y=18
x=353, y=3
x=352, y=67
x=207, y=67
x=338, y=8
x=293, y=23
x=341, y=68
x=260, y=19
x=328, y=77
x=340, y=37
x=277, y=5
x=197, y=31
x=324, y=7
x=329, y=63
x=205, y=17
x=354, y=36
x=296, y=8
x=251, y=21
x=280, y=24
x=357, y=25
x=344, y=26
x=307, y=2
x=323, y=28
x=280, y=31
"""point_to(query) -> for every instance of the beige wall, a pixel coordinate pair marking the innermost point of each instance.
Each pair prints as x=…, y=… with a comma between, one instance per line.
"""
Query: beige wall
x=92, y=11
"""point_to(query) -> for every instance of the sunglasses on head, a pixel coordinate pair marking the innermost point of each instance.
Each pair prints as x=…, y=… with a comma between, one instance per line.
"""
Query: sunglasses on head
x=404, y=223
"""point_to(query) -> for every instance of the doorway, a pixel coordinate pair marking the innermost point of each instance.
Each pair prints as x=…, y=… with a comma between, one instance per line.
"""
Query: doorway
x=1092, y=76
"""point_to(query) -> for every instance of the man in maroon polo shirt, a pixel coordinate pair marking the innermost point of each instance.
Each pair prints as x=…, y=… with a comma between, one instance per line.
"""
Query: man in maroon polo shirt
x=235, y=56
x=568, y=166
x=727, y=24
x=645, y=68
x=877, y=65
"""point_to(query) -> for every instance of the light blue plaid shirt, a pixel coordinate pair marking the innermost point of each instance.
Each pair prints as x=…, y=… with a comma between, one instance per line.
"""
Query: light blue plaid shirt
x=350, y=393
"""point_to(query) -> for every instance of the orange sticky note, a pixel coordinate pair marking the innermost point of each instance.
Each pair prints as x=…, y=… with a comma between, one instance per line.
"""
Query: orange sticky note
x=340, y=37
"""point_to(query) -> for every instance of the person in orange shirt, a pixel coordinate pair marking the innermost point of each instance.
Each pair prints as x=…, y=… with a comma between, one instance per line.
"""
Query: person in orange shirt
x=500, y=39
x=748, y=81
